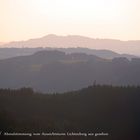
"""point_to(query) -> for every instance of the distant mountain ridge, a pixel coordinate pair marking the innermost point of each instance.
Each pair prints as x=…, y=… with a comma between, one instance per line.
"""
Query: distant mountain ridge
x=73, y=41
x=56, y=71
x=106, y=54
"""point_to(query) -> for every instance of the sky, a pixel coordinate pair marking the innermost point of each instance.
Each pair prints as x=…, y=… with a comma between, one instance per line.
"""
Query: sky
x=26, y=19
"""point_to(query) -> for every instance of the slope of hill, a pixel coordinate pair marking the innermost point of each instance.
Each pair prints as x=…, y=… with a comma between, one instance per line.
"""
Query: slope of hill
x=55, y=71
x=54, y=41
x=107, y=54
x=97, y=109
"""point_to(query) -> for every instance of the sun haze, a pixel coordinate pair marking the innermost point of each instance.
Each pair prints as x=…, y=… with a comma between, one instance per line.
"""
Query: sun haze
x=25, y=19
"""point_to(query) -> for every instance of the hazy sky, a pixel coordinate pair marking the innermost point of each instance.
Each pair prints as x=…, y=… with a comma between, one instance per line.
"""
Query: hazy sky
x=25, y=19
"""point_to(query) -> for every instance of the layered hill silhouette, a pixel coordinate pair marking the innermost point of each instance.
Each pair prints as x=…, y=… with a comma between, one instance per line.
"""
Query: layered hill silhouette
x=107, y=54
x=56, y=71
x=75, y=41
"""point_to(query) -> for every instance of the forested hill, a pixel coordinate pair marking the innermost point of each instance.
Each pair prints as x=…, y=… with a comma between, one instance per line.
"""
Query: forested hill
x=112, y=110
x=56, y=71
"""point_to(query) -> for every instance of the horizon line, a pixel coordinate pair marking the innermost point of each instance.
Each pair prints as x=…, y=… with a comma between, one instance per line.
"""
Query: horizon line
x=67, y=35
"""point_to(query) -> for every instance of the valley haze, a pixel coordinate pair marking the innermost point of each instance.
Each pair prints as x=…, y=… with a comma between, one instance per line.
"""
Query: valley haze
x=55, y=71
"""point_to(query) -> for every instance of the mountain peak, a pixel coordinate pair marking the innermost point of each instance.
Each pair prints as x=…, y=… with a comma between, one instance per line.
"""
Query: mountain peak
x=50, y=36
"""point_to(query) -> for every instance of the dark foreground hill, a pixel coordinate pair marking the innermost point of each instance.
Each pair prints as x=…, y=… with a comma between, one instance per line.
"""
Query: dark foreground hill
x=96, y=109
x=55, y=71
